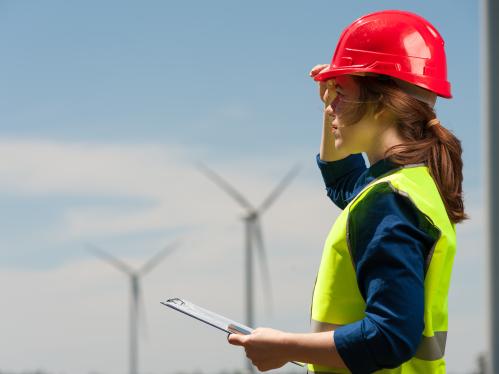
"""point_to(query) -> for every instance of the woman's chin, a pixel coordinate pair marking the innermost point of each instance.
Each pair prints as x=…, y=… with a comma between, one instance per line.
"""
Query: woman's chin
x=338, y=144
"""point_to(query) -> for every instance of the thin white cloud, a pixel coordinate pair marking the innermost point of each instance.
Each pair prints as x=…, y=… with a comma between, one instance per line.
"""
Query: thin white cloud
x=177, y=193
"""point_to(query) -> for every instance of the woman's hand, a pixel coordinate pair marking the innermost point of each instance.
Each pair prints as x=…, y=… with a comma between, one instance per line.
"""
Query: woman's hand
x=327, y=91
x=266, y=348
x=270, y=349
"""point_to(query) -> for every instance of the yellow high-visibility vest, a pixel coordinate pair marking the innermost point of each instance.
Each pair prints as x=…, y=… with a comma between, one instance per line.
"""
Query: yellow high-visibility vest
x=337, y=300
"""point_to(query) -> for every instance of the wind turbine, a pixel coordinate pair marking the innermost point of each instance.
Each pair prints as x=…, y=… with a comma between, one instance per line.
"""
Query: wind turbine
x=253, y=231
x=134, y=276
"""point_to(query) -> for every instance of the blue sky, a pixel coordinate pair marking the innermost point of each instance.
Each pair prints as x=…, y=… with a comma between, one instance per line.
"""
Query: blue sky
x=104, y=109
x=163, y=71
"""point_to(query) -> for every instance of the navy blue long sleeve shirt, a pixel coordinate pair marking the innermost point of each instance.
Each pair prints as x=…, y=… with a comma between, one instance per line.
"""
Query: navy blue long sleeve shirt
x=390, y=241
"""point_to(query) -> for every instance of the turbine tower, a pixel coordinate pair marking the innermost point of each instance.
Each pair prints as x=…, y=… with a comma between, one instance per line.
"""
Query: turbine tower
x=134, y=276
x=253, y=234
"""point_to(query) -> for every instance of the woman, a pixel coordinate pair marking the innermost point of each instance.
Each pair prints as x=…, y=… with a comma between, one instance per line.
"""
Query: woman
x=380, y=299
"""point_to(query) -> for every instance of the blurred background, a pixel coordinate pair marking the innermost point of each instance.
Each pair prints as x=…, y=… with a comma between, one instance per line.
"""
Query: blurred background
x=107, y=107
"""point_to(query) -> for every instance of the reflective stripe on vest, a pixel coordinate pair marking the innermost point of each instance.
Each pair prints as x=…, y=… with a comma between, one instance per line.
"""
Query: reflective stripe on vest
x=430, y=348
x=337, y=300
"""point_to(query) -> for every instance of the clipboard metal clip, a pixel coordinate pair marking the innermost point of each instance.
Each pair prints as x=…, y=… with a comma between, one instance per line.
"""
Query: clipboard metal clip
x=176, y=301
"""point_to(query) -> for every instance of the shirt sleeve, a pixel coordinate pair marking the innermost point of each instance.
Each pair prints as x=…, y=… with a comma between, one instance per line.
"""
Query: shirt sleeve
x=340, y=177
x=390, y=240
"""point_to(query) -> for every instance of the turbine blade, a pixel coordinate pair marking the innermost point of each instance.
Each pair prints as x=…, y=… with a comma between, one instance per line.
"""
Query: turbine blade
x=113, y=261
x=157, y=258
x=224, y=185
x=257, y=230
x=279, y=189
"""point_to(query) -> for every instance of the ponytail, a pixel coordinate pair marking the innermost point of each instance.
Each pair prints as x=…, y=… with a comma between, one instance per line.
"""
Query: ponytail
x=441, y=152
x=425, y=140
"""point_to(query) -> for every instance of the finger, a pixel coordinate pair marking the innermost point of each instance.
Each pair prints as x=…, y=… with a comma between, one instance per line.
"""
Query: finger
x=330, y=92
x=266, y=365
x=326, y=67
x=263, y=366
x=330, y=85
x=317, y=69
x=237, y=339
x=326, y=88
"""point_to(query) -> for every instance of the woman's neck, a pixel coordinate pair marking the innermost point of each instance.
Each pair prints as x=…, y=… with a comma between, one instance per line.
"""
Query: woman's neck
x=385, y=139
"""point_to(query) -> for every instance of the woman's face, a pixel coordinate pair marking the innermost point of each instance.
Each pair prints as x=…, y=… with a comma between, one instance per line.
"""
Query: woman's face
x=351, y=138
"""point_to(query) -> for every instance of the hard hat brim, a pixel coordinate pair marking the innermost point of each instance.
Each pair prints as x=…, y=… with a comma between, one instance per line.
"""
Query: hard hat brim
x=332, y=72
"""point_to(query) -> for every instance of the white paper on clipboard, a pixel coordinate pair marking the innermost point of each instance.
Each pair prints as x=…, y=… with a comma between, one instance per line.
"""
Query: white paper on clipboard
x=210, y=318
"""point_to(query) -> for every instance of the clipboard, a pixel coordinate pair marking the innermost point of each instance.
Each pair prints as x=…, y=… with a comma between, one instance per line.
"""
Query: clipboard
x=206, y=316
x=215, y=320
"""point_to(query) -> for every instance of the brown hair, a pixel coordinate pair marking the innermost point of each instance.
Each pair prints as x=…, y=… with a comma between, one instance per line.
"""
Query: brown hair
x=426, y=140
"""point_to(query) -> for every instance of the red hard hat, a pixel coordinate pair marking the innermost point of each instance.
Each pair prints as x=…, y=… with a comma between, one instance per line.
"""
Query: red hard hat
x=399, y=44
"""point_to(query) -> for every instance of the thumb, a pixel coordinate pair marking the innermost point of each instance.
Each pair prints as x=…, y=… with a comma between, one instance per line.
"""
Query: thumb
x=237, y=339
